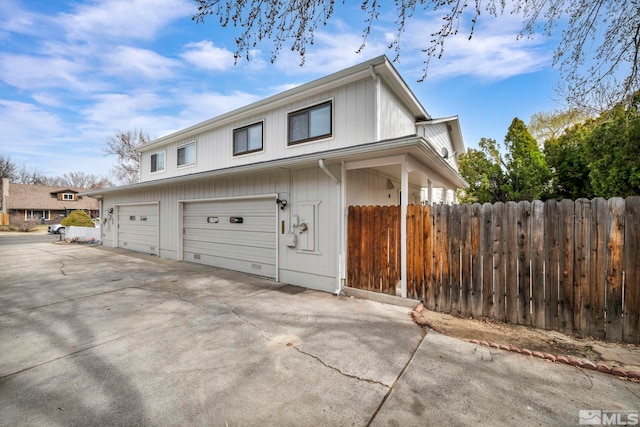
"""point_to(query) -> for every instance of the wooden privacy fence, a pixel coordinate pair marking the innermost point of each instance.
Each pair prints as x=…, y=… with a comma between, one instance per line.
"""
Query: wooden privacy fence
x=571, y=266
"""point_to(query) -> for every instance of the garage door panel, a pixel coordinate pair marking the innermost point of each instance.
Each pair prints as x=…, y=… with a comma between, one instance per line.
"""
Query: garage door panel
x=138, y=228
x=255, y=239
x=209, y=237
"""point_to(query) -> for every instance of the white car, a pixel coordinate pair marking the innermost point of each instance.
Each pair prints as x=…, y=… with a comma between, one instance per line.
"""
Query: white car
x=56, y=229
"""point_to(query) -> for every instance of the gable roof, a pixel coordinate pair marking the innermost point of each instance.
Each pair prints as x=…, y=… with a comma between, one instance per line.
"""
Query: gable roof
x=380, y=66
x=23, y=196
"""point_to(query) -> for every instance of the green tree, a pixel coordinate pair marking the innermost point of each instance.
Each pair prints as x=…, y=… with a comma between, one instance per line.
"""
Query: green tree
x=567, y=158
x=613, y=151
x=520, y=174
x=78, y=218
x=528, y=174
x=483, y=170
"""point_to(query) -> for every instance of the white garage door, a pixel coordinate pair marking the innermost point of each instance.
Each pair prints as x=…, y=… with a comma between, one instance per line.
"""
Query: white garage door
x=138, y=228
x=234, y=234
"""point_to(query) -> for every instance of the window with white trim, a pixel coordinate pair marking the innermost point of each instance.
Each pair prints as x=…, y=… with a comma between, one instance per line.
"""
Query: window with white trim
x=247, y=139
x=68, y=196
x=36, y=214
x=157, y=162
x=187, y=154
x=310, y=123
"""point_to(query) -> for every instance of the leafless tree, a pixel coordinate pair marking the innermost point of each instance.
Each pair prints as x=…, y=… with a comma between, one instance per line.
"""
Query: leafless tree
x=123, y=145
x=80, y=180
x=613, y=26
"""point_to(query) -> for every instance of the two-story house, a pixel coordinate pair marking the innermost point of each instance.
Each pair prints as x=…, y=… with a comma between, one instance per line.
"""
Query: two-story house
x=264, y=189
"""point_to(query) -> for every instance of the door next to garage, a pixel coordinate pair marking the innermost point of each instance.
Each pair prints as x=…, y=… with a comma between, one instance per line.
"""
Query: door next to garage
x=237, y=234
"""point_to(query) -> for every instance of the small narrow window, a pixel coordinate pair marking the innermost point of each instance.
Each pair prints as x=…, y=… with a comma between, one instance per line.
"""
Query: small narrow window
x=187, y=154
x=310, y=124
x=247, y=139
x=157, y=162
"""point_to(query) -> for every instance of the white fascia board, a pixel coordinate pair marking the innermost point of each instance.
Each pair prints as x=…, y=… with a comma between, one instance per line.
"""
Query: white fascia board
x=456, y=131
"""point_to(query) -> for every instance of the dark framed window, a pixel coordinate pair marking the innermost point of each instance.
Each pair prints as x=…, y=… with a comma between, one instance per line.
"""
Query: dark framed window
x=157, y=162
x=187, y=154
x=310, y=124
x=247, y=139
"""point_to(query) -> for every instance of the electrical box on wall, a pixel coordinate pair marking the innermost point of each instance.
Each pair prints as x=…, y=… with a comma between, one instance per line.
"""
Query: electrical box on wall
x=290, y=239
x=306, y=228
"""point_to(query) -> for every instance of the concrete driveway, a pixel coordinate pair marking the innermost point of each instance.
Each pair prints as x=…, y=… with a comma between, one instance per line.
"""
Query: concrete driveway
x=95, y=336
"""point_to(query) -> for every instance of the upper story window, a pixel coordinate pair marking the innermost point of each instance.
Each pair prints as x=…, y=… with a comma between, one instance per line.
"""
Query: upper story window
x=310, y=124
x=187, y=154
x=68, y=196
x=247, y=139
x=157, y=162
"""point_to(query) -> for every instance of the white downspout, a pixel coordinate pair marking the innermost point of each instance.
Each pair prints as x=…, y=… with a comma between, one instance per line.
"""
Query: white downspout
x=338, y=225
x=376, y=114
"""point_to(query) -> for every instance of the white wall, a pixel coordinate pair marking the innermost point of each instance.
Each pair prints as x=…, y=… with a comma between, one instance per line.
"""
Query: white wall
x=353, y=124
x=315, y=269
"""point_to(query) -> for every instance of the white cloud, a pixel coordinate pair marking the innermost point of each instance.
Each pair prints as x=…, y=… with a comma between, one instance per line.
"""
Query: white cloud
x=123, y=19
x=129, y=63
x=35, y=72
x=204, y=106
x=494, y=52
x=204, y=54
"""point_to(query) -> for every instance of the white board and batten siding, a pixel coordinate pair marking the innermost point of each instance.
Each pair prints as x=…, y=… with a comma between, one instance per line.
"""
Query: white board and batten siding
x=237, y=234
x=138, y=228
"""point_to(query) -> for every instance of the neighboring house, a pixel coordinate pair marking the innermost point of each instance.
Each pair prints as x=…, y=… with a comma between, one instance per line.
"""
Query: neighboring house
x=41, y=202
x=265, y=189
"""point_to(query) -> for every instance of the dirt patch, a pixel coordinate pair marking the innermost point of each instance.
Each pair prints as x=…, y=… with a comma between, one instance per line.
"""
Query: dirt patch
x=552, y=342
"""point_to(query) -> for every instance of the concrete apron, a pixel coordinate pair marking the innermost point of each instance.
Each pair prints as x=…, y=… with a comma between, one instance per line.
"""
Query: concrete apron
x=93, y=336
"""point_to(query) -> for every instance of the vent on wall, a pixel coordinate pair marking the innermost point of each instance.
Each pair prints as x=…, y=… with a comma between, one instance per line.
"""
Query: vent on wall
x=196, y=256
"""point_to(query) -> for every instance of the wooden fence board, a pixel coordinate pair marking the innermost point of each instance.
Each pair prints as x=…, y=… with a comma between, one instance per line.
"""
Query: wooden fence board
x=437, y=258
x=537, y=263
x=524, y=263
x=454, y=249
x=566, y=238
x=486, y=259
x=631, y=327
x=427, y=232
x=597, y=284
x=498, y=261
x=582, y=257
x=444, y=298
x=615, y=268
x=551, y=258
x=465, y=262
x=511, y=259
x=476, y=264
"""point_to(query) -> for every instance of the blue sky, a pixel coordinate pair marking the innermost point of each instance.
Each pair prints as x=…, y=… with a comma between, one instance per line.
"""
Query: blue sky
x=74, y=73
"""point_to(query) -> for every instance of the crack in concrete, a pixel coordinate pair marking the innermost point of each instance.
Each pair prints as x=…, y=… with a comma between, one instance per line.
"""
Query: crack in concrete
x=262, y=333
x=162, y=291
x=313, y=356
x=73, y=353
x=404, y=368
x=62, y=268
x=341, y=372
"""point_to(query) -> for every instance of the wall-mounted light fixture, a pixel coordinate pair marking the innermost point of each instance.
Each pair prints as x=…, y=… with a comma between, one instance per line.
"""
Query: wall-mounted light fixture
x=282, y=203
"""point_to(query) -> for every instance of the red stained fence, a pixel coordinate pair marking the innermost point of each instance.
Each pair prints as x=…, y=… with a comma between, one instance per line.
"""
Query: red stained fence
x=571, y=266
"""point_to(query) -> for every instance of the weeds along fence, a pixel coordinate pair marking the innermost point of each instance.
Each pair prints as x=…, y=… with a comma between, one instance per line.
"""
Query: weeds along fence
x=571, y=266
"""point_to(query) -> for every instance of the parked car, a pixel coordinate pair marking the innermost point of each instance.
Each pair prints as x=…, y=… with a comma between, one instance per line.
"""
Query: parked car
x=56, y=229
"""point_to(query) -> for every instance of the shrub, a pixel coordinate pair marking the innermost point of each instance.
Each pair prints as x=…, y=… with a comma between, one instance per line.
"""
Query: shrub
x=20, y=224
x=78, y=218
